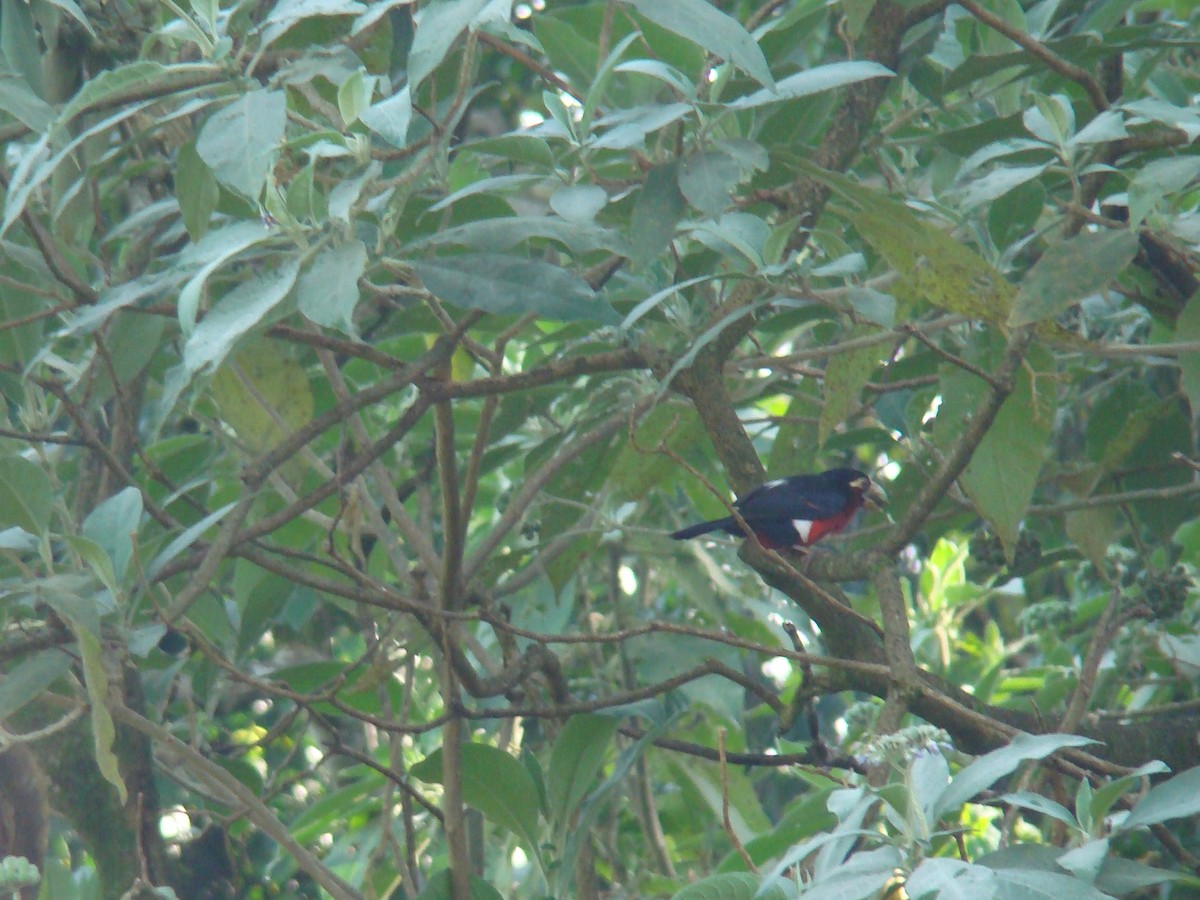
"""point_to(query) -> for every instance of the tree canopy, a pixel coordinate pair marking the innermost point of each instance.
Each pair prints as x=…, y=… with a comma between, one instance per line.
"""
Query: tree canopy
x=359, y=358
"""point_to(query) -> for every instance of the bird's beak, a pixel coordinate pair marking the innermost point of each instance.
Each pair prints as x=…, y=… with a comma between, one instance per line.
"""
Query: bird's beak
x=874, y=495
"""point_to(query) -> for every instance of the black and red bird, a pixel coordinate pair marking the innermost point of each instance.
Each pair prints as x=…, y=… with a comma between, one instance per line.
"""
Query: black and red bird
x=797, y=511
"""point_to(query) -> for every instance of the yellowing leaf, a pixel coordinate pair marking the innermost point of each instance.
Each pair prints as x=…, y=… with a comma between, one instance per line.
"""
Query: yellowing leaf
x=935, y=267
x=845, y=376
x=263, y=395
x=103, y=731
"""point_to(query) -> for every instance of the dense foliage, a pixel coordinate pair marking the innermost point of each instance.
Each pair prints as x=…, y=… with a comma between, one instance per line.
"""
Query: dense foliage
x=357, y=359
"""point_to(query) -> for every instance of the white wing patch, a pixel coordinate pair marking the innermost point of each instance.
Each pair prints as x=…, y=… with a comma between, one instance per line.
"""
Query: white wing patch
x=803, y=528
x=778, y=482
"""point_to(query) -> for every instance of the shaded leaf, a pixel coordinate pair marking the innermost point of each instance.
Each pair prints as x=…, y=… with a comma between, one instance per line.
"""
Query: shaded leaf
x=1175, y=798
x=328, y=292
x=1158, y=180
x=656, y=212
x=103, y=731
x=951, y=879
x=496, y=785
x=21, y=103
x=287, y=13
x=25, y=495
x=1187, y=329
x=845, y=376
x=1071, y=270
x=439, y=887
x=506, y=284
x=1003, y=472
x=997, y=183
x=25, y=681
x=113, y=524
x=579, y=752
x=196, y=190
x=263, y=395
x=706, y=180
x=503, y=233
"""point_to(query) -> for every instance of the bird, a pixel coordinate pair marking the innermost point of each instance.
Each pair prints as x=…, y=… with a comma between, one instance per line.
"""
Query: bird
x=796, y=512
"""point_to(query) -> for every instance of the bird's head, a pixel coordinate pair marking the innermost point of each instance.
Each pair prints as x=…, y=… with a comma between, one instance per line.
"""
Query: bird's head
x=860, y=484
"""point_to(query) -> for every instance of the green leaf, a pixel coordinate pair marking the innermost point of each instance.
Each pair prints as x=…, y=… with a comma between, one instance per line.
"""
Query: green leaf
x=578, y=754
x=1187, y=329
x=578, y=202
x=113, y=524
x=576, y=837
x=25, y=495
x=73, y=10
x=1085, y=860
x=390, y=118
x=1003, y=471
x=65, y=594
x=1156, y=181
x=628, y=128
x=438, y=26
x=845, y=377
x=656, y=212
x=728, y=886
x=38, y=167
x=328, y=292
x=706, y=179
x=506, y=284
x=185, y=539
x=499, y=234
x=706, y=26
x=998, y=182
x=103, y=731
x=240, y=143
x=495, y=784
x=19, y=43
x=25, y=681
x=1105, y=796
x=1092, y=531
x=287, y=13
x=638, y=470
x=23, y=104
x=1175, y=798
x=814, y=81
x=991, y=767
x=1071, y=270
x=263, y=395
x=1039, y=885
x=196, y=190
x=111, y=87
x=439, y=887
x=354, y=96
x=1119, y=877
x=237, y=312
x=952, y=879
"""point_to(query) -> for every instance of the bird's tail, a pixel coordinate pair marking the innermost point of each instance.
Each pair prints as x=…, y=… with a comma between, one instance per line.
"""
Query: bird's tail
x=703, y=528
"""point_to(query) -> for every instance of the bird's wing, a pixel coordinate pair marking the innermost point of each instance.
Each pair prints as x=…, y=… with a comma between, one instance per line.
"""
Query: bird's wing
x=798, y=497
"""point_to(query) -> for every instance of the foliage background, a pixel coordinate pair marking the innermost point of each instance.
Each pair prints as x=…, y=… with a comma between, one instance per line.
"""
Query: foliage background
x=357, y=359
